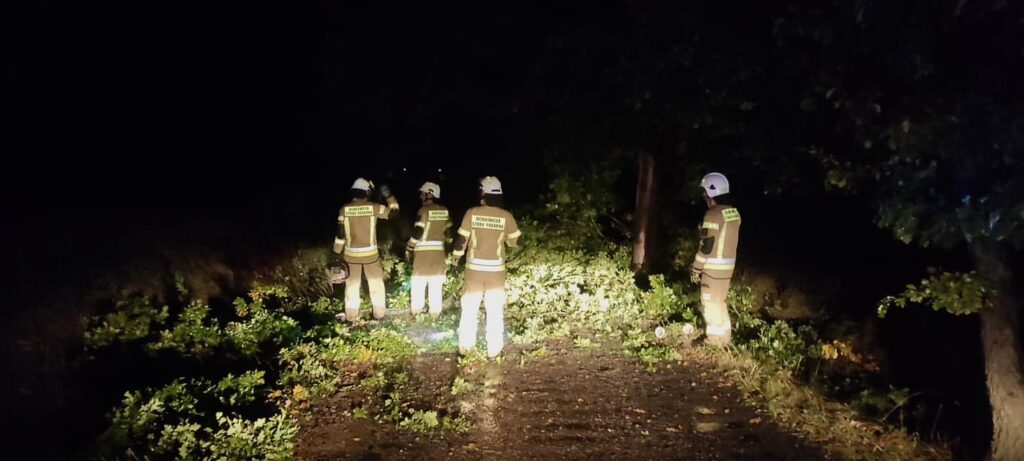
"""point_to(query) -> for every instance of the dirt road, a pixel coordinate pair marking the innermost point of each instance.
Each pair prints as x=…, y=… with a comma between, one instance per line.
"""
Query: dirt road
x=563, y=403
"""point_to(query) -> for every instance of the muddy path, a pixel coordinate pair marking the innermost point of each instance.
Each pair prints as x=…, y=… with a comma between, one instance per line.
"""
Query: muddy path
x=566, y=403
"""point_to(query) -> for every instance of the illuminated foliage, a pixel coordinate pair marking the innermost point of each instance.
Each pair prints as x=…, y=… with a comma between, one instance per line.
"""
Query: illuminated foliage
x=132, y=318
x=953, y=292
x=193, y=332
x=259, y=326
x=776, y=341
x=171, y=421
x=238, y=390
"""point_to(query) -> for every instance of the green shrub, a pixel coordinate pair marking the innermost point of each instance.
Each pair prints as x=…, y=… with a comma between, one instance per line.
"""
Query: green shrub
x=239, y=390
x=264, y=438
x=260, y=326
x=421, y=421
x=398, y=275
x=553, y=292
x=777, y=341
x=314, y=366
x=134, y=420
x=953, y=292
x=461, y=386
x=169, y=421
x=295, y=286
x=132, y=318
x=192, y=333
x=388, y=345
x=184, y=440
x=137, y=423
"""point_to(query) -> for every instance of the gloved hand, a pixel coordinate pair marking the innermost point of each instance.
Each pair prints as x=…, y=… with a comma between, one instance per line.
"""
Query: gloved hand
x=385, y=191
x=337, y=248
x=455, y=260
x=695, y=276
x=408, y=254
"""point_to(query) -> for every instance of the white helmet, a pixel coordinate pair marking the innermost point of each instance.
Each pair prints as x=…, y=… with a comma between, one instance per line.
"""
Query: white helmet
x=362, y=184
x=490, y=185
x=432, y=189
x=715, y=184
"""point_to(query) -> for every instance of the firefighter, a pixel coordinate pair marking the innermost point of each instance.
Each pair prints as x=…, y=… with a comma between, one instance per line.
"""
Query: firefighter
x=357, y=242
x=426, y=249
x=485, y=230
x=715, y=260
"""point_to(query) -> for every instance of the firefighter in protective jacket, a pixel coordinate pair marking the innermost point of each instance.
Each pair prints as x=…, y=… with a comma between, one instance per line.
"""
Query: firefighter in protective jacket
x=485, y=231
x=716, y=259
x=426, y=248
x=357, y=242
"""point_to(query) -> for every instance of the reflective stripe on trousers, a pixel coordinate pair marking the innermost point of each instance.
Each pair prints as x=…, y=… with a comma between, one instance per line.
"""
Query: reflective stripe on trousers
x=718, y=330
x=429, y=245
x=361, y=251
x=721, y=264
x=485, y=265
x=705, y=259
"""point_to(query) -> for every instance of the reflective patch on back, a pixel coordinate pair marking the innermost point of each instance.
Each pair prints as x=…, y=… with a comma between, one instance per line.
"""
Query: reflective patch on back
x=731, y=214
x=362, y=210
x=488, y=222
x=437, y=215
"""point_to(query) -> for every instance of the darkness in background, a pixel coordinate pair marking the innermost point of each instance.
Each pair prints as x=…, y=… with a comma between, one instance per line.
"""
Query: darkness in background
x=261, y=115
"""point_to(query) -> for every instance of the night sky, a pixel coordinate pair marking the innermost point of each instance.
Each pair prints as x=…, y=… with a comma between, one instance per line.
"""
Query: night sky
x=142, y=106
x=129, y=116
